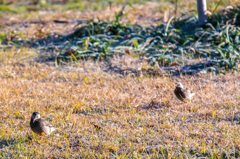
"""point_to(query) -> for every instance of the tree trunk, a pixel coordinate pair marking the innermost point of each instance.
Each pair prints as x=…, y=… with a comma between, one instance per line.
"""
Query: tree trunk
x=202, y=12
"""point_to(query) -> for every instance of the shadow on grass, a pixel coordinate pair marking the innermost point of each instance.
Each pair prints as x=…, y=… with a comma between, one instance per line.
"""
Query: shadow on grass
x=13, y=142
x=179, y=47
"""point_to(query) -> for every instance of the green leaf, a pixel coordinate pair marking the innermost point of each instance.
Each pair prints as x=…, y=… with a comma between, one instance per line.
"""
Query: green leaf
x=169, y=23
x=216, y=6
x=135, y=43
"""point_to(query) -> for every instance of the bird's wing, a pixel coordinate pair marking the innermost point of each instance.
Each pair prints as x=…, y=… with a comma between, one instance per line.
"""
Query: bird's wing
x=180, y=94
x=47, y=125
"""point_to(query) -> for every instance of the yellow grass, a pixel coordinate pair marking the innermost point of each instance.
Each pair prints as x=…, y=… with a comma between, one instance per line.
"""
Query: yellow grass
x=99, y=114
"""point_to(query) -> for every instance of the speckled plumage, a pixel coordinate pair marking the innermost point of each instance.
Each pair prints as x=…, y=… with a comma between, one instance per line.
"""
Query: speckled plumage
x=40, y=126
x=183, y=94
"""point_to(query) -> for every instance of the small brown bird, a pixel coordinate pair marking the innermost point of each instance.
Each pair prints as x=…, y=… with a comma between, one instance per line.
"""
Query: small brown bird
x=183, y=94
x=40, y=126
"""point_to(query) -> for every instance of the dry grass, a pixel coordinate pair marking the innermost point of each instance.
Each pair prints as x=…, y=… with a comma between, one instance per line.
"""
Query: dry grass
x=99, y=114
x=103, y=114
x=39, y=24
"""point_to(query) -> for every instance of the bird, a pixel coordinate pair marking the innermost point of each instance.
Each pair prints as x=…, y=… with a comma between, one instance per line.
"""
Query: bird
x=183, y=94
x=40, y=126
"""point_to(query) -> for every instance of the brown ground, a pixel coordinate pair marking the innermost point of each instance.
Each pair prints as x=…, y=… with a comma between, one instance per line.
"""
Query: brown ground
x=101, y=113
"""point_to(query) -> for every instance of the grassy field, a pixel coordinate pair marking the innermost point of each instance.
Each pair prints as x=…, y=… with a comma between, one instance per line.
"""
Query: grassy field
x=103, y=108
x=101, y=115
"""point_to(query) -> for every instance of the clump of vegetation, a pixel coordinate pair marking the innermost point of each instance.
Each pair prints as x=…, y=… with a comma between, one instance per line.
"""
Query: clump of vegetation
x=179, y=42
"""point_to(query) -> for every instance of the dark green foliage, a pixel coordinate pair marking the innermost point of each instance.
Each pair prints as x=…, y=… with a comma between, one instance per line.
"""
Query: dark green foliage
x=178, y=42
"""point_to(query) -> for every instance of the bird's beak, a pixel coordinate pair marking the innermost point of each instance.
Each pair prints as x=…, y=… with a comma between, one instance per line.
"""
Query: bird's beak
x=34, y=120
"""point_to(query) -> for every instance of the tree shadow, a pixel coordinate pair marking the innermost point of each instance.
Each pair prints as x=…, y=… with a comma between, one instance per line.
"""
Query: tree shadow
x=174, y=46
